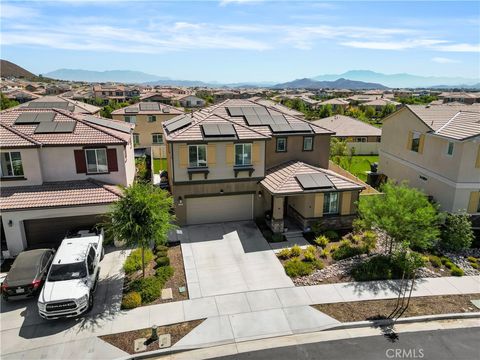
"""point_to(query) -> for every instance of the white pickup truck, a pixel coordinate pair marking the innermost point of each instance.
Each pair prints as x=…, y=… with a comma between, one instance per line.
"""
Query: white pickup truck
x=73, y=275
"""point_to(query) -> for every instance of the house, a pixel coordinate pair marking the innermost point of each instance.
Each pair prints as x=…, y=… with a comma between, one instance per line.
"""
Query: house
x=436, y=149
x=59, y=172
x=379, y=104
x=336, y=103
x=467, y=98
x=148, y=118
x=239, y=160
x=189, y=101
x=362, y=137
x=115, y=92
x=57, y=89
x=61, y=102
x=21, y=96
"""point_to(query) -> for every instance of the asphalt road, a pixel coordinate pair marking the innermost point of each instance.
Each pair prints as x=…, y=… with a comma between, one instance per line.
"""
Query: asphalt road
x=457, y=344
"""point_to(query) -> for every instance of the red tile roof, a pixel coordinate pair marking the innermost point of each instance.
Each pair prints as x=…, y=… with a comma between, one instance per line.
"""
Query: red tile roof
x=58, y=194
x=11, y=138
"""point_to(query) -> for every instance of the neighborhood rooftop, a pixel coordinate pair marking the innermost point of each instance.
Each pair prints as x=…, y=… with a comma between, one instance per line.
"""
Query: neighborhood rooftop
x=148, y=108
x=346, y=126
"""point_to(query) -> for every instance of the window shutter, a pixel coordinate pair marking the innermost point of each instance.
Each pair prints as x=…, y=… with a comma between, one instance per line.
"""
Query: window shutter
x=346, y=203
x=112, y=160
x=256, y=153
x=211, y=154
x=421, y=143
x=473, y=202
x=477, y=163
x=318, y=211
x=80, y=161
x=183, y=156
x=229, y=154
x=410, y=140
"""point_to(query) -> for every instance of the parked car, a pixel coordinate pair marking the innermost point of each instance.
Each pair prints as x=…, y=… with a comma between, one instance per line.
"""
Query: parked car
x=73, y=276
x=27, y=274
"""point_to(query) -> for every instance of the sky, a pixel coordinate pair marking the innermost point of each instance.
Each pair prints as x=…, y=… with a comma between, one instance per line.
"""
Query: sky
x=243, y=40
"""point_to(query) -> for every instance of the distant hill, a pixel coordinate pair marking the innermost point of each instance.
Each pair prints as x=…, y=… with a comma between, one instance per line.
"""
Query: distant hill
x=341, y=83
x=123, y=76
x=466, y=87
x=397, y=80
x=9, y=69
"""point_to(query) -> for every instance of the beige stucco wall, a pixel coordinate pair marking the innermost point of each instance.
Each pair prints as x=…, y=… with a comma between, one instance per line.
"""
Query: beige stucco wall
x=31, y=168
x=366, y=148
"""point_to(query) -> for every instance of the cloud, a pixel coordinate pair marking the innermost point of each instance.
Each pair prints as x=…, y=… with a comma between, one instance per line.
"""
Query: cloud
x=10, y=11
x=392, y=45
x=240, y=2
x=443, y=60
x=459, y=48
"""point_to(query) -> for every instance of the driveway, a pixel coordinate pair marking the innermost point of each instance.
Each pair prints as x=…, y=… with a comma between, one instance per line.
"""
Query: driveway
x=229, y=258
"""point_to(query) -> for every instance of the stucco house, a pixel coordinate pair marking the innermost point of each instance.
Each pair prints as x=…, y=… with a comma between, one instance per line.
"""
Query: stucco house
x=61, y=102
x=437, y=149
x=59, y=172
x=239, y=160
x=362, y=137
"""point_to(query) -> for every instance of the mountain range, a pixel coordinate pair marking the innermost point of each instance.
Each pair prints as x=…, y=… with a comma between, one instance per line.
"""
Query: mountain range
x=341, y=83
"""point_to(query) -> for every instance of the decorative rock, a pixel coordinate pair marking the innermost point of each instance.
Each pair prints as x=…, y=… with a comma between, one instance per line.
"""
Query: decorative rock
x=140, y=344
x=164, y=341
x=167, y=294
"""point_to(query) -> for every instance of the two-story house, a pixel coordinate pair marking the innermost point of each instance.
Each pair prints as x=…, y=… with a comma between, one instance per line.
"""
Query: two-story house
x=59, y=172
x=148, y=118
x=437, y=149
x=115, y=92
x=61, y=102
x=240, y=160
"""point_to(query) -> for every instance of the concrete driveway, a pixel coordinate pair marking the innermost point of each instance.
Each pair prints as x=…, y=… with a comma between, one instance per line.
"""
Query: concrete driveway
x=229, y=258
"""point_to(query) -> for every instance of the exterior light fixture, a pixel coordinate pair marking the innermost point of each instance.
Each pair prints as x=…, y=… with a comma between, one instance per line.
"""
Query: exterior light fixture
x=10, y=223
x=260, y=194
x=221, y=191
x=180, y=201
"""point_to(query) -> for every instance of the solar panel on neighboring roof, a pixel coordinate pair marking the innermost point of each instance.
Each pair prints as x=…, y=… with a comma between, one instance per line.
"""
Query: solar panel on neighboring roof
x=166, y=110
x=48, y=105
x=131, y=110
x=290, y=128
x=107, y=123
x=149, y=106
x=314, y=181
x=177, y=122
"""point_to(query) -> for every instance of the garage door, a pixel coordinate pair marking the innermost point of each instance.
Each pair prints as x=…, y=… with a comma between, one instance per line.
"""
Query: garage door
x=219, y=209
x=50, y=232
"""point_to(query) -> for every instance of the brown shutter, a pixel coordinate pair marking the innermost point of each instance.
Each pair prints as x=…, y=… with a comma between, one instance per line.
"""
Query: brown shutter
x=477, y=163
x=230, y=158
x=473, y=202
x=80, y=161
x=112, y=160
x=211, y=155
x=410, y=140
x=256, y=153
x=183, y=157
x=346, y=203
x=421, y=144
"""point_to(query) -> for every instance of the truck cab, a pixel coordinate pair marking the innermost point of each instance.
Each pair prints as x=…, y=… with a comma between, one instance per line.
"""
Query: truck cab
x=72, y=279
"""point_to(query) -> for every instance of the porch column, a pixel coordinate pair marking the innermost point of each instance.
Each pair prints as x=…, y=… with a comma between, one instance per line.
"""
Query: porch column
x=277, y=214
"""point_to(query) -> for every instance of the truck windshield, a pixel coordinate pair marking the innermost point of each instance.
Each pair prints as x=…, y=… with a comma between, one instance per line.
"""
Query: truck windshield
x=60, y=272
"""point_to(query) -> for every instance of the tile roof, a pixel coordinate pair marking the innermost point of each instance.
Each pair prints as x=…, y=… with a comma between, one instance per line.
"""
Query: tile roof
x=58, y=194
x=458, y=122
x=281, y=179
x=277, y=106
x=11, y=138
x=86, y=132
x=219, y=114
x=347, y=126
x=336, y=101
x=76, y=106
x=162, y=109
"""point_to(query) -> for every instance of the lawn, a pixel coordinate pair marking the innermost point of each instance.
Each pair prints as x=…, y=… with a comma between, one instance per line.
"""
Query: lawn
x=159, y=164
x=360, y=164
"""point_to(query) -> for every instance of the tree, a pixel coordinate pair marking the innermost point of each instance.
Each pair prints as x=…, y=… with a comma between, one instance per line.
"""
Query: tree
x=387, y=110
x=404, y=213
x=370, y=112
x=457, y=233
x=326, y=111
x=338, y=149
x=7, y=103
x=143, y=215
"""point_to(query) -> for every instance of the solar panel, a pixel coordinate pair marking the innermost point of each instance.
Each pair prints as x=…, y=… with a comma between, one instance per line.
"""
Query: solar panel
x=227, y=129
x=235, y=111
x=166, y=110
x=55, y=127
x=283, y=128
x=107, y=123
x=131, y=110
x=314, y=181
x=149, y=107
x=210, y=130
x=218, y=130
x=45, y=128
x=253, y=120
x=178, y=123
x=260, y=110
x=65, y=127
x=45, y=116
x=248, y=111
x=279, y=119
x=48, y=105
x=26, y=118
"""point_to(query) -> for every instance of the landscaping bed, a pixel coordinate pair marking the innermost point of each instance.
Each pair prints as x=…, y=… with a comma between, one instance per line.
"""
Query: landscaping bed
x=380, y=309
x=125, y=341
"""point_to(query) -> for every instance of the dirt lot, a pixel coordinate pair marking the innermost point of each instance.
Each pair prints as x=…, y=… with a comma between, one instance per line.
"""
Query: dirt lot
x=380, y=309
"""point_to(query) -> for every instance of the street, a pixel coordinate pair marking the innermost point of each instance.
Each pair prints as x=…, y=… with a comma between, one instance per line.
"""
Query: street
x=456, y=344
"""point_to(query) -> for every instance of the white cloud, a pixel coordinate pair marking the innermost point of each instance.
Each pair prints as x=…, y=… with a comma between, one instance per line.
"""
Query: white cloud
x=443, y=60
x=393, y=45
x=10, y=11
x=228, y=2
x=459, y=48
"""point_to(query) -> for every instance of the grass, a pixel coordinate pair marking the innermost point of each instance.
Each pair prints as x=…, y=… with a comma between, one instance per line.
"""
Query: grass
x=360, y=164
x=159, y=164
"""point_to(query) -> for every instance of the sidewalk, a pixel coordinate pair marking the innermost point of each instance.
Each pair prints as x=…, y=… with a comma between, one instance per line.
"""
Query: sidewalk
x=233, y=317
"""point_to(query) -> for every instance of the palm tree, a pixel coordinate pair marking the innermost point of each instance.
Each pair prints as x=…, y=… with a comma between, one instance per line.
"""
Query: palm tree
x=143, y=215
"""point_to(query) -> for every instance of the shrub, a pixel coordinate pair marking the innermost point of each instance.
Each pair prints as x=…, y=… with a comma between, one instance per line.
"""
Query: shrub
x=131, y=300
x=346, y=250
x=149, y=288
x=321, y=241
x=407, y=261
x=163, y=261
x=295, y=251
x=449, y=265
x=284, y=254
x=318, y=264
x=376, y=268
x=161, y=250
x=295, y=267
x=164, y=273
x=474, y=265
x=333, y=248
x=444, y=260
x=369, y=240
x=332, y=235
x=324, y=253
x=456, y=271
x=472, y=259
x=435, y=261
x=457, y=233
x=134, y=260
x=309, y=254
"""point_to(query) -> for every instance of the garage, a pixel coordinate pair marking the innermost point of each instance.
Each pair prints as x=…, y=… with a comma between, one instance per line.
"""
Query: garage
x=51, y=231
x=203, y=210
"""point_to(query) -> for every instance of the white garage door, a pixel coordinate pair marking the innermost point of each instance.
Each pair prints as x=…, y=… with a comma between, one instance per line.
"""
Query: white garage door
x=219, y=209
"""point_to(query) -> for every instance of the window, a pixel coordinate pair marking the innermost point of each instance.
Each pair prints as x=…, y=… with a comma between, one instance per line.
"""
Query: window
x=132, y=119
x=307, y=143
x=157, y=138
x=151, y=118
x=379, y=139
x=96, y=160
x=281, y=144
x=330, y=203
x=450, y=147
x=197, y=156
x=243, y=154
x=11, y=164
x=415, y=141
x=136, y=139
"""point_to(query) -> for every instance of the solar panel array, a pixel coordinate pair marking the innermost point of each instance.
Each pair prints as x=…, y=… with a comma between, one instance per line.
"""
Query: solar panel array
x=131, y=110
x=106, y=123
x=314, y=181
x=218, y=130
x=55, y=127
x=149, y=106
x=34, y=117
x=177, y=122
x=64, y=105
x=291, y=128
